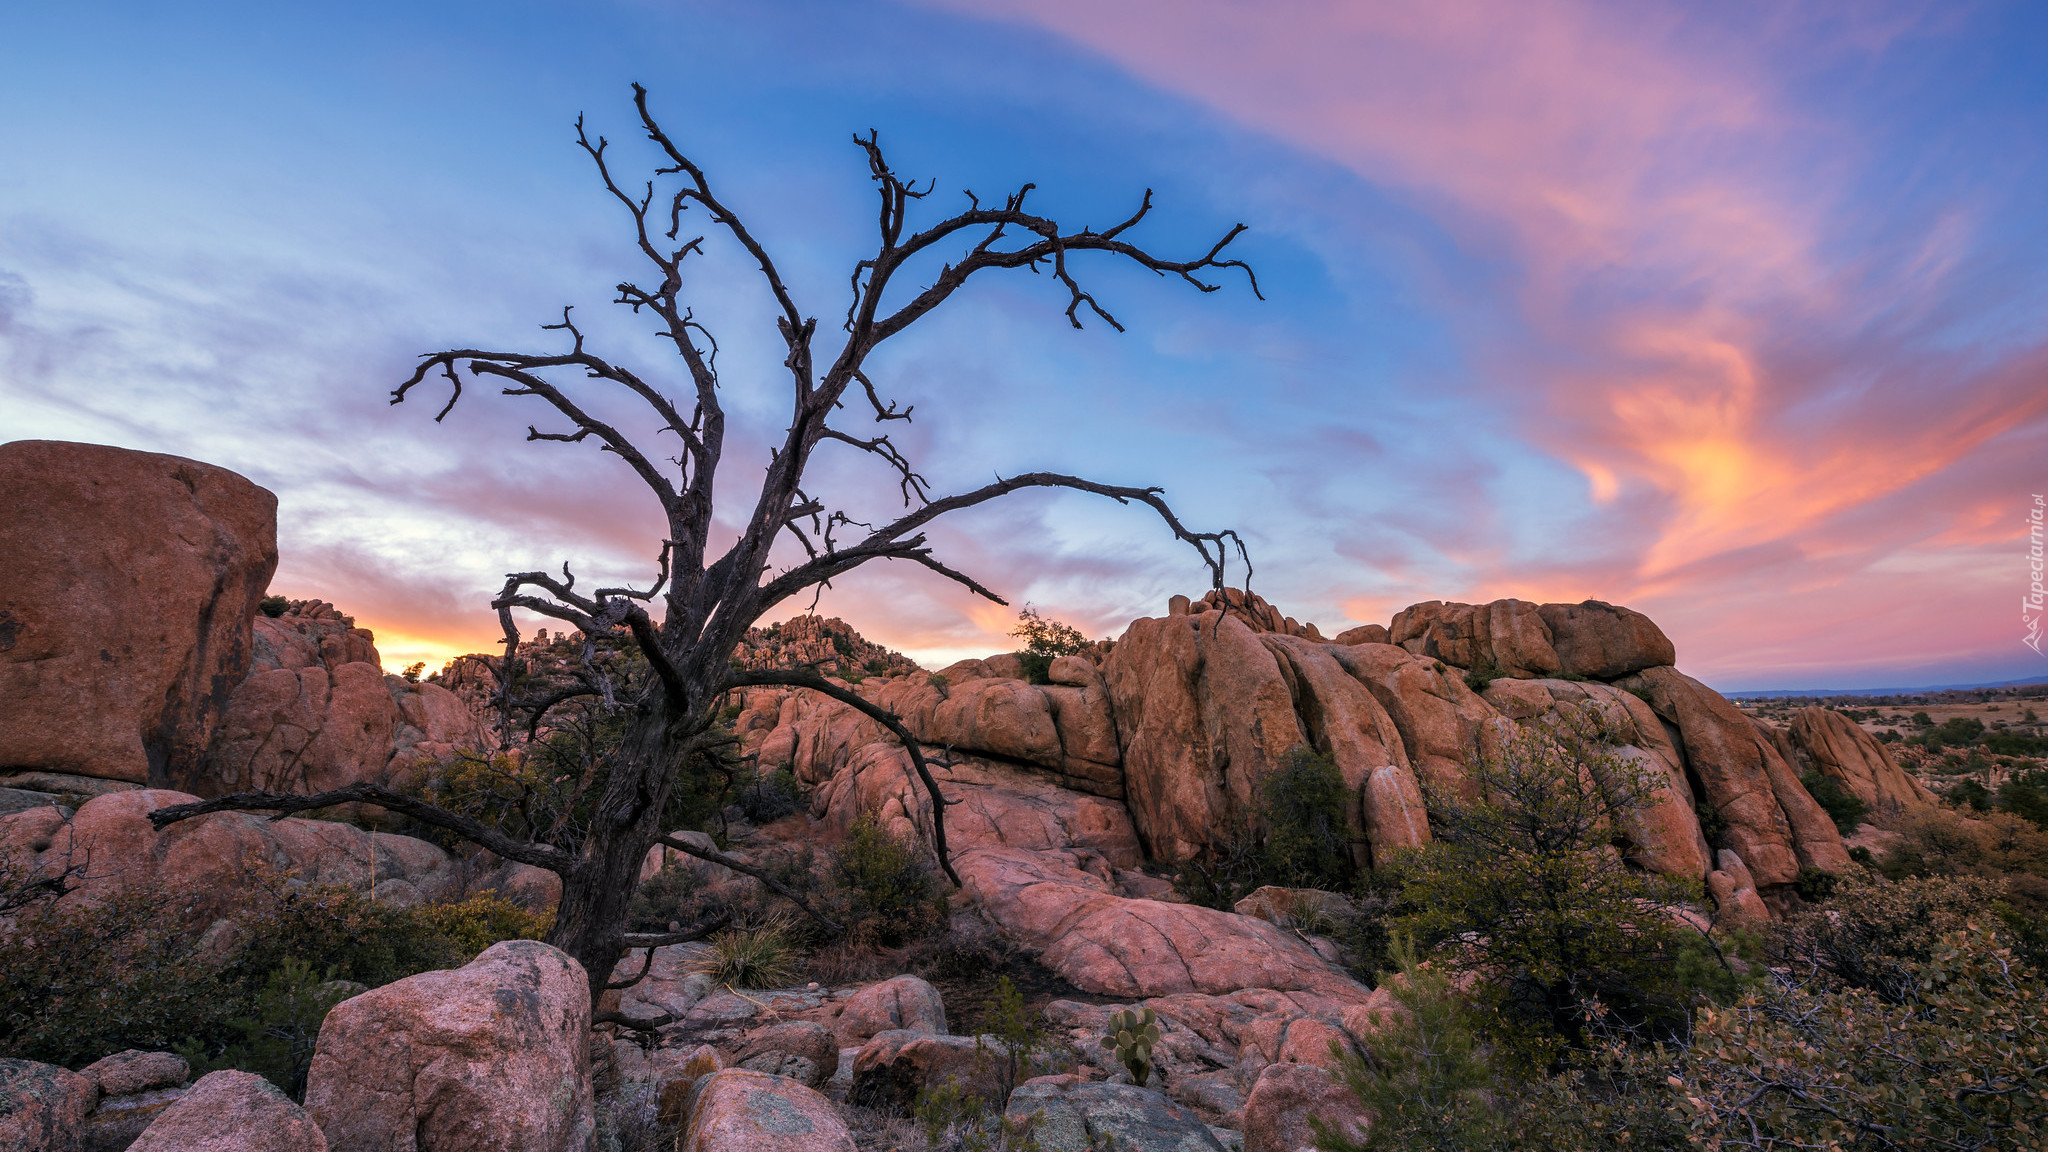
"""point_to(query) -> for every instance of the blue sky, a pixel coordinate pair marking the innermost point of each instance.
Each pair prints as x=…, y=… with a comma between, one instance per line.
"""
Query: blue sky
x=1729, y=313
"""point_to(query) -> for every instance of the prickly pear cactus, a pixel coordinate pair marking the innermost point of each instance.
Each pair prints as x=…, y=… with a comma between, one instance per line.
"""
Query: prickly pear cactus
x=1131, y=1037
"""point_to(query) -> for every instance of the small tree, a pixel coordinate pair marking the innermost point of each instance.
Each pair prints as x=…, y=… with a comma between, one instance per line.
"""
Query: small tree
x=1427, y=1082
x=1045, y=640
x=709, y=599
x=1524, y=884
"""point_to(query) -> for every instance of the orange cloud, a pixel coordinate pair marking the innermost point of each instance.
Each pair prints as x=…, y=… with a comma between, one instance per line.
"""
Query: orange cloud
x=1750, y=404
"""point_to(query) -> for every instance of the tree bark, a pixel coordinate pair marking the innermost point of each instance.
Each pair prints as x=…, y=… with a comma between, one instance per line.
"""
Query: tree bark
x=590, y=922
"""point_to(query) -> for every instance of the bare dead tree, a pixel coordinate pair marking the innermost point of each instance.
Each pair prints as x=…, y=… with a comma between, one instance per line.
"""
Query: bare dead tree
x=708, y=602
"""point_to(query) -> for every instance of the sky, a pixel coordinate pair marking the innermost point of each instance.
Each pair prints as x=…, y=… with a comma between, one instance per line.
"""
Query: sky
x=1732, y=313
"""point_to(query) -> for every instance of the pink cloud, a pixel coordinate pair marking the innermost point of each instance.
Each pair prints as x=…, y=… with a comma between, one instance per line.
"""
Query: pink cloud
x=1739, y=396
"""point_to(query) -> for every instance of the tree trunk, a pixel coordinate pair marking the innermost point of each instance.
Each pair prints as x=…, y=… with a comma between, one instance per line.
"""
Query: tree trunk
x=590, y=921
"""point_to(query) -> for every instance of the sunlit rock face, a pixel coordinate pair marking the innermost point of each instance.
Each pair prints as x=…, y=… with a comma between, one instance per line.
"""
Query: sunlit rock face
x=1156, y=745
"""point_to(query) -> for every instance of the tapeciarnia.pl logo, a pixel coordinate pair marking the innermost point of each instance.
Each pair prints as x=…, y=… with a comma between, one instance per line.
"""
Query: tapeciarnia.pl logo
x=2036, y=599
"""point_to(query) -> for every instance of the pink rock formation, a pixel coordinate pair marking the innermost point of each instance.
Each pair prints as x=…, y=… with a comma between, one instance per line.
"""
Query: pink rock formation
x=1204, y=716
x=231, y=1111
x=1835, y=745
x=740, y=1110
x=318, y=713
x=1346, y=723
x=132, y=581
x=901, y=1003
x=1664, y=836
x=1773, y=825
x=43, y=1107
x=1287, y=1096
x=206, y=864
x=490, y=1057
x=1071, y=918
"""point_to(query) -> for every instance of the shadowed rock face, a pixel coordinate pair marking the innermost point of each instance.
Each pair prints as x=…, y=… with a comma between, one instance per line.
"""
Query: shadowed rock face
x=132, y=581
x=1077, y=1116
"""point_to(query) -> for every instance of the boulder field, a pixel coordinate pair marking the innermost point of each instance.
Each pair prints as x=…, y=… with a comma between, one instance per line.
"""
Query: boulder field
x=132, y=656
x=137, y=670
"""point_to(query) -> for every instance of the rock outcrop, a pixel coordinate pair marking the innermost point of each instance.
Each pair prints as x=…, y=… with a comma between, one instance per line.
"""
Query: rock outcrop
x=1828, y=742
x=1158, y=745
x=901, y=1003
x=1286, y=1097
x=135, y=1088
x=893, y=1068
x=740, y=1110
x=318, y=713
x=1076, y=1115
x=1075, y=923
x=1203, y=715
x=232, y=1112
x=1530, y=641
x=206, y=864
x=133, y=579
x=491, y=1057
x=1773, y=824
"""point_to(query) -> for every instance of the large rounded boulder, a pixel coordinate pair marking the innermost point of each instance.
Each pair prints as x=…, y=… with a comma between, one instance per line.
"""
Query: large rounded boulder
x=133, y=579
x=490, y=1057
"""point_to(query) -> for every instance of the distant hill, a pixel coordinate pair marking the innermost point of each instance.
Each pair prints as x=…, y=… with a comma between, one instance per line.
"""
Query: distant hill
x=2027, y=687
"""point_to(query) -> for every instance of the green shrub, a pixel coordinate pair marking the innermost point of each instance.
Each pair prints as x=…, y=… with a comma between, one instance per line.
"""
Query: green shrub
x=274, y=606
x=1845, y=808
x=1713, y=826
x=1872, y=931
x=1302, y=839
x=87, y=980
x=342, y=931
x=1020, y=1036
x=1522, y=889
x=275, y=1039
x=763, y=956
x=1037, y=667
x=1046, y=637
x=2026, y=796
x=1956, y=1063
x=84, y=981
x=1813, y=884
x=475, y=924
x=2016, y=744
x=771, y=797
x=1307, y=837
x=886, y=891
x=1482, y=673
x=1970, y=794
x=1427, y=1084
x=668, y=896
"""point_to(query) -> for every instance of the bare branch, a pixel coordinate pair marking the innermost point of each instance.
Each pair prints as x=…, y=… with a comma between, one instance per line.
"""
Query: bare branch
x=888, y=541
x=770, y=882
x=880, y=715
x=284, y=803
